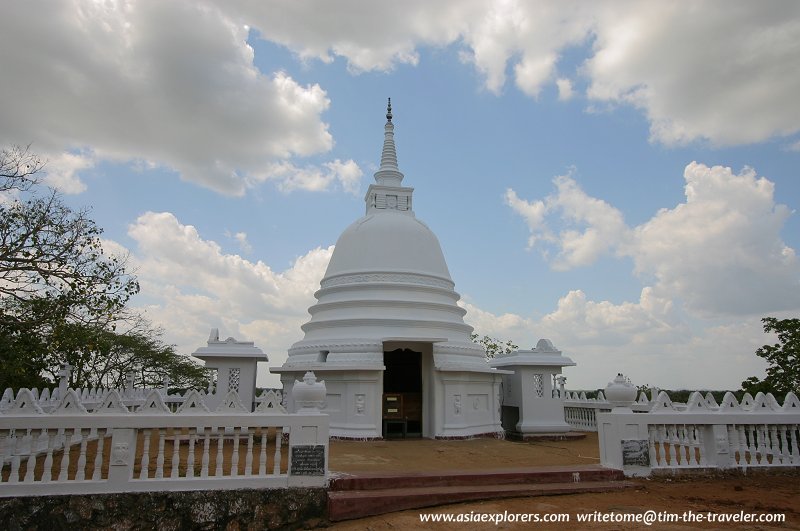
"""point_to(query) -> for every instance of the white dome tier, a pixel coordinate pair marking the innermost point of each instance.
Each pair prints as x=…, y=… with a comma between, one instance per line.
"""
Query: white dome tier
x=387, y=280
x=388, y=241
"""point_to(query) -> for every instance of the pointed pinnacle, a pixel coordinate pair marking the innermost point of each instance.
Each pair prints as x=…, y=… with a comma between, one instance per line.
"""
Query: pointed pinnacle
x=389, y=110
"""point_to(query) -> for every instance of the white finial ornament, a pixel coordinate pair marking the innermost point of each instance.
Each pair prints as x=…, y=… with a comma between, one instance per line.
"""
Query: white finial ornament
x=389, y=174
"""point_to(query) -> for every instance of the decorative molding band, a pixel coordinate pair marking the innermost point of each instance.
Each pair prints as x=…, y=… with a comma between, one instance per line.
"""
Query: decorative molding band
x=469, y=349
x=352, y=345
x=405, y=288
x=388, y=303
x=389, y=278
x=392, y=323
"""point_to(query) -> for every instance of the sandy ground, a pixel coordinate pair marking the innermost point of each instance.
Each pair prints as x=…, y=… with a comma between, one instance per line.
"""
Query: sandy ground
x=473, y=454
x=757, y=493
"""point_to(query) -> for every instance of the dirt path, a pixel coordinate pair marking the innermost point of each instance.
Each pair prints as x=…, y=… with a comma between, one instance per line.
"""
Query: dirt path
x=759, y=494
x=473, y=454
x=756, y=493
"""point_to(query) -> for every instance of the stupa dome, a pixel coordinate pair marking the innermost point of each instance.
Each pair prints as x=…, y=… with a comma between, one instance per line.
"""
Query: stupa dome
x=387, y=327
x=387, y=280
x=391, y=241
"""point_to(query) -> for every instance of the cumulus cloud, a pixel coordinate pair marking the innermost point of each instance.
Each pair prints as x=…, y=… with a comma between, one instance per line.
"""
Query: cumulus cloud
x=649, y=340
x=720, y=251
x=698, y=71
x=533, y=212
x=174, y=85
x=314, y=178
x=719, y=71
x=169, y=83
x=62, y=171
x=565, y=90
x=188, y=284
x=591, y=227
x=241, y=239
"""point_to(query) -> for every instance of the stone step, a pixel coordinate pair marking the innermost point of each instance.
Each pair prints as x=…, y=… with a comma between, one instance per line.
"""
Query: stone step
x=553, y=474
x=351, y=504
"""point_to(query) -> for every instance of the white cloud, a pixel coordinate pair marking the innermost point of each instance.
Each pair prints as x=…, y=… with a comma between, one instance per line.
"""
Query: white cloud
x=370, y=35
x=170, y=83
x=62, y=171
x=533, y=213
x=190, y=285
x=241, y=239
x=591, y=226
x=697, y=70
x=565, y=90
x=647, y=340
x=717, y=71
x=720, y=252
x=173, y=84
x=314, y=178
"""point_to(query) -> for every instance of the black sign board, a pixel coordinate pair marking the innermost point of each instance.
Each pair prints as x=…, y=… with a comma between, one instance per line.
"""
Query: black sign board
x=635, y=452
x=308, y=460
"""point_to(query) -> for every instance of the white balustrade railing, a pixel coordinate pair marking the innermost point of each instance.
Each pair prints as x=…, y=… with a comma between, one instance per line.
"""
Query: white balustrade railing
x=756, y=432
x=70, y=450
x=582, y=418
x=581, y=412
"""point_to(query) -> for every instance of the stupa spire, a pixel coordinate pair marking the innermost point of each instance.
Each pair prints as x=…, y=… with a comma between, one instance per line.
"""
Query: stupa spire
x=389, y=174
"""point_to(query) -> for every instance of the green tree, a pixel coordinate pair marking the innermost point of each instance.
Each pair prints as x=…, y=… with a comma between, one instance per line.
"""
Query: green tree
x=783, y=373
x=493, y=345
x=62, y=299
x=101, y=357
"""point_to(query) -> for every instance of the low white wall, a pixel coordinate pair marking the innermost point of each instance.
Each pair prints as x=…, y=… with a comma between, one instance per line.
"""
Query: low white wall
x=758, y=432
x=114, y=449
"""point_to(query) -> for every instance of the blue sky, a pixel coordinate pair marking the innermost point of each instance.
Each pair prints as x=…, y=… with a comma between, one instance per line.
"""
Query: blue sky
x=620, y=178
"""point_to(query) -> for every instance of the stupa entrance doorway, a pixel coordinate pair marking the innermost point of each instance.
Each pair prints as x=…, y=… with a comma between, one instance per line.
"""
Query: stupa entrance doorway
x=402, y=393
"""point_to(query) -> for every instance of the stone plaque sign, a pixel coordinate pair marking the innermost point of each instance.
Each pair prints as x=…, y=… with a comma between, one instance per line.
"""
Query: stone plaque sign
x=308, y=460
x=635, y=452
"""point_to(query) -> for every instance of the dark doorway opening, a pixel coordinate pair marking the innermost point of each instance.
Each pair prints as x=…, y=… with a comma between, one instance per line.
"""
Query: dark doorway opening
x=402, y=393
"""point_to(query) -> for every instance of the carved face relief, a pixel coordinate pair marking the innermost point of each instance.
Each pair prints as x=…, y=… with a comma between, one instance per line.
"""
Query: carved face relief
x=120, y=453
x=360, y=404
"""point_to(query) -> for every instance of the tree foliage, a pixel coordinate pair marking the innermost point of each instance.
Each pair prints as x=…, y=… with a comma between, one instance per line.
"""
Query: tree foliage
x=63, y=299
x=493, y=345
x=783, y=373
x=19, y=169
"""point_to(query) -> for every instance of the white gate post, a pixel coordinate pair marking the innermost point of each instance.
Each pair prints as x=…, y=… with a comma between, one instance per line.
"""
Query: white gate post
x=308, y=441
x=123, y=455
x=622, y=434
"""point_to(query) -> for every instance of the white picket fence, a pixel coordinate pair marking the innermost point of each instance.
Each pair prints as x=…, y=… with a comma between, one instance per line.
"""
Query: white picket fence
x=70, y=450
x=756, y=433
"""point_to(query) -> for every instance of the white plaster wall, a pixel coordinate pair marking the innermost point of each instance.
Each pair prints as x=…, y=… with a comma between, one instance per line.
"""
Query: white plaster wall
x=539, y=414
x=344, y=389
x=247, y=380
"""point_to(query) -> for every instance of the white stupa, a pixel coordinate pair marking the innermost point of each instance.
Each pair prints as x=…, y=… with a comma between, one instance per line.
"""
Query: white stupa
x=386, y=333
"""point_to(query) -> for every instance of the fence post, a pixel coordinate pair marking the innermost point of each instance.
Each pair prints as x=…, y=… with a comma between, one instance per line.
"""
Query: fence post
x=308, y=441
x=123, y=456
x=717, y=447
x=623, y=434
